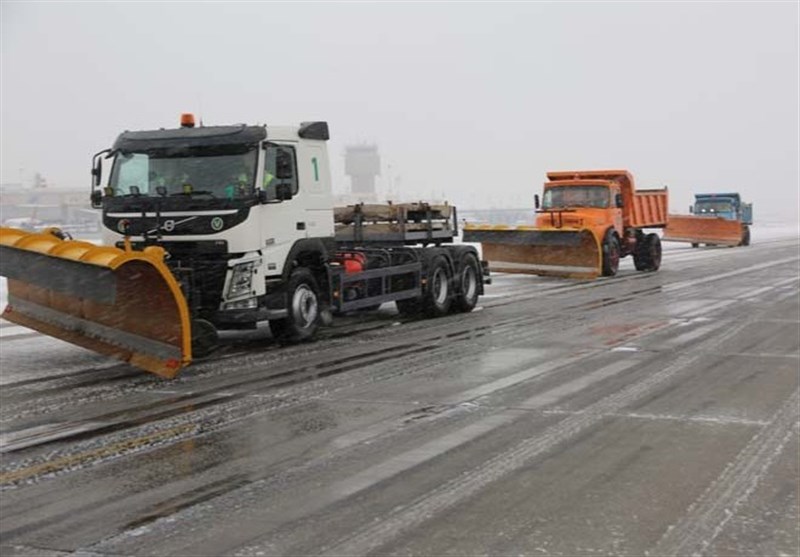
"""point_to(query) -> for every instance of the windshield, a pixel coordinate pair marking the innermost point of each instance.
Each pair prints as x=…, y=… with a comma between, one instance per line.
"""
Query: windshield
x=719, y=206
x=576, y=196
x=218, y=173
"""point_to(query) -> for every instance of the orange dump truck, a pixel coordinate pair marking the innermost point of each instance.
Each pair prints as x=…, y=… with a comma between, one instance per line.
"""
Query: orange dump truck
x=587, y=221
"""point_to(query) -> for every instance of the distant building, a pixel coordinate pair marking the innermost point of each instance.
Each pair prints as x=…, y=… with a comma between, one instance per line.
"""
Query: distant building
x=363, y=164
x=46, y=205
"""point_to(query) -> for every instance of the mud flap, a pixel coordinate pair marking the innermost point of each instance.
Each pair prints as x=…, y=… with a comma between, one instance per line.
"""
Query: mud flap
x=703, y=230
x=558, y=253
x=121, y=303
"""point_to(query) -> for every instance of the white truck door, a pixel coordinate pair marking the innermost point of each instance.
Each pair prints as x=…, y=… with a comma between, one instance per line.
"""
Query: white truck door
x=283, y=221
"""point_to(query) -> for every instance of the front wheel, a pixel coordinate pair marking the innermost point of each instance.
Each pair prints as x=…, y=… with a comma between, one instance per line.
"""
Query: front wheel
x=611, y=254
x=303, y=316
x=745, y=236
x=204, y=338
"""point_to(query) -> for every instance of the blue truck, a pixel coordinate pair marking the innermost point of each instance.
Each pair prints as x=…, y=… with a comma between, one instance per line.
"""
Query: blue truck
x=716, y=219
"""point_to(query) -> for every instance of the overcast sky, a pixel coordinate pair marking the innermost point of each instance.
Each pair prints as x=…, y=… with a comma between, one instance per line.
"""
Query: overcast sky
x=473, y=102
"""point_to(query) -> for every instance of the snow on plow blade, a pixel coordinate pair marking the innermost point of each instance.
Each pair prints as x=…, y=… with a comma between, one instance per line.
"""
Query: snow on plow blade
x=557, y=253
x=703, y=230
x=121, y=303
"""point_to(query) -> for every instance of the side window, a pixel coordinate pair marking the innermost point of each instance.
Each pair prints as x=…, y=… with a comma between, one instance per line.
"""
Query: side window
x=280, y=169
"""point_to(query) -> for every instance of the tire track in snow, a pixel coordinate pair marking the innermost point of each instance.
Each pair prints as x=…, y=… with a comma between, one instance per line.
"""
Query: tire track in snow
x=707, y=516
x=457, y=490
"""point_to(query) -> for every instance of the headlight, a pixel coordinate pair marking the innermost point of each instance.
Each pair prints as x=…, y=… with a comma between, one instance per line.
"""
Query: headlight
x=241, y=280
x=249, y=303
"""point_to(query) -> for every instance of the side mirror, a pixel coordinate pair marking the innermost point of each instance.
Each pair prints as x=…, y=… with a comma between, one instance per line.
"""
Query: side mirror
x=96, y=199
x=618, y=200
x=97, y=171
x=536, y=200
x=283, y=192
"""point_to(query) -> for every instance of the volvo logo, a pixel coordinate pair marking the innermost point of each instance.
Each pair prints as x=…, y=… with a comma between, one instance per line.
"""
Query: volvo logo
x=217, y=223
x=170, y=225
x=123, y=226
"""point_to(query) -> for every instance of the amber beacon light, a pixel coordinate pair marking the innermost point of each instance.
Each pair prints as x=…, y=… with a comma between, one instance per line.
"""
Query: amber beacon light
x=187, y=120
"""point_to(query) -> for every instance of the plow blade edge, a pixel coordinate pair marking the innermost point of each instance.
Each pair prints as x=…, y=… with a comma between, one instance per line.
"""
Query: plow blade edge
x=703, y=230
x=557, y=253
x=121, y=303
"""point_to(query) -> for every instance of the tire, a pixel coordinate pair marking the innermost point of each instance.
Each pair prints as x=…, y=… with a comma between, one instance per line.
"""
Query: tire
x=204, y=338
x=745, y=237
x=695, y=245
x=438, y=294
x=469, y=285
x=303, y=320
x=611, y=255
x=647, y=256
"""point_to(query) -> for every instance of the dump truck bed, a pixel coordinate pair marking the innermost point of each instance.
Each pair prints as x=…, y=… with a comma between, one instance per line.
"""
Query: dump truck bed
x=395, y=223
x=648, y=209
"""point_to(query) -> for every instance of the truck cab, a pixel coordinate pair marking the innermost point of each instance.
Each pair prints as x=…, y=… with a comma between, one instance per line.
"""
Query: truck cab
x=233, y=206
x=723, y=205
x=595, y=204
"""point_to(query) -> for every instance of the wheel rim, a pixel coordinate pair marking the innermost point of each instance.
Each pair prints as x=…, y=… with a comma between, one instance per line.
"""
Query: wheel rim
x=469, y=283
x=439, y=287
x=304, y=306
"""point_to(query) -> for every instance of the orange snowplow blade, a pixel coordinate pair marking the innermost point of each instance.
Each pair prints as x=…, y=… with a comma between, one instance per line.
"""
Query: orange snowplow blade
x=122, y=303
x=703, y=230
x=557, y=253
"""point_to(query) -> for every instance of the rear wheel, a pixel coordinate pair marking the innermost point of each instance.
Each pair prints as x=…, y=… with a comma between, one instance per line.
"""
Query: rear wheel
x=438, y=296
x=204, y=338
x=467, y=297
x=611, y=254
x=647, y=256
x=695, y=245
x=303, y=311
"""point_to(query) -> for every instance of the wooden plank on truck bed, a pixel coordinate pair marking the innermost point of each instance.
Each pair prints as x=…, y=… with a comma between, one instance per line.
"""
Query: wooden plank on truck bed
x=392, y=212
x=407, y=223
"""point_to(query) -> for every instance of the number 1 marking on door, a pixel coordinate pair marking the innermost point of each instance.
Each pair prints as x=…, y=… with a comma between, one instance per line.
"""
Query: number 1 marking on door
x=316, y=169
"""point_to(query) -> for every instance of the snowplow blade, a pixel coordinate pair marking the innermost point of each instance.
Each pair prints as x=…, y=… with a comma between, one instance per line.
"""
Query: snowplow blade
x=703, y=230
x=556, y=253
x=122, y=303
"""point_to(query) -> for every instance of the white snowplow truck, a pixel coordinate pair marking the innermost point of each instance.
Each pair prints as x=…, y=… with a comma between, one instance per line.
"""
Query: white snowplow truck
x=222, y=227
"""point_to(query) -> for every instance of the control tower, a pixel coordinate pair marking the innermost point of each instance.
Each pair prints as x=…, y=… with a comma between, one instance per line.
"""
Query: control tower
x=362, y=163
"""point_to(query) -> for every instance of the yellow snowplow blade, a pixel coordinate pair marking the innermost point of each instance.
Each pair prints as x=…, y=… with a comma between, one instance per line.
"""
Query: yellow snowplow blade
x=703, y=230
x=123, y=303
x=557, y=253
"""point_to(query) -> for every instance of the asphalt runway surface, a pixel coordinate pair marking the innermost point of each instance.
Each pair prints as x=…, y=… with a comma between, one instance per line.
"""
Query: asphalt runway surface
x=645, y=414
